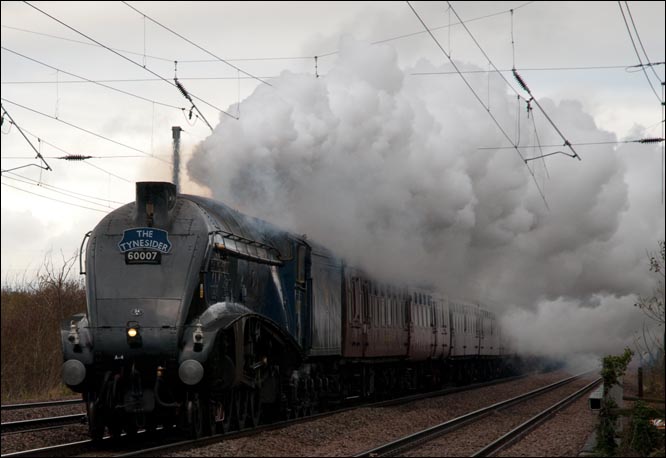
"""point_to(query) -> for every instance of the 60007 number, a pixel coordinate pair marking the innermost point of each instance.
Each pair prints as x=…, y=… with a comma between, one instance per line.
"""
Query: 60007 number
x=143, y=257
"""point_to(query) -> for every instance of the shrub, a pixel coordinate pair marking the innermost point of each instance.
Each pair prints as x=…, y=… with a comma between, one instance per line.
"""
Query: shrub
x=31, y=315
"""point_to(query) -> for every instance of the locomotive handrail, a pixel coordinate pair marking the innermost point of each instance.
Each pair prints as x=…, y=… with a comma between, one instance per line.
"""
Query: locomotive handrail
x=85, y=237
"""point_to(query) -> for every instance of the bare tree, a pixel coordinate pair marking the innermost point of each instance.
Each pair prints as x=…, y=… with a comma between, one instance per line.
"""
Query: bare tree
x=651, y=345
x=653, y=306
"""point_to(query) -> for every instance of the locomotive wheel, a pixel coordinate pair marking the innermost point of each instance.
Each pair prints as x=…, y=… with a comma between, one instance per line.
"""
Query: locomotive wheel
x=115, y=426
x=254, y=407
x=151, y=423
x=213, y=413
x=194, y=416
x=95, y=421
x=229, y=411
x=242, y=407
x=131, y=427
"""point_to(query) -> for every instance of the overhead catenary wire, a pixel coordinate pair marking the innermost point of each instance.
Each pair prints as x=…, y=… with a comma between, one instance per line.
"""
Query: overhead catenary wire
x=54, y=199
x=124, y=57
x=536, y=137
x=421, y=32
x=547, y=69
x=164, y=59
x=213, y=78
x=499, y=126
x=548, y=154
x=639, y=140
x=196, y=45
x=67, y=153
x=64, y=192
x=647, y=58
x=107, y=172
x=85, y=130
x=640, y=42
x=520, y=81
x=633, y=43
x=264, y=58
x=90, y=81
x=39, y=155
x=73, y=157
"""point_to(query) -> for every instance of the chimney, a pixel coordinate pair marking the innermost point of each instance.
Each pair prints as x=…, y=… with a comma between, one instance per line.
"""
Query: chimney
x=155, y=201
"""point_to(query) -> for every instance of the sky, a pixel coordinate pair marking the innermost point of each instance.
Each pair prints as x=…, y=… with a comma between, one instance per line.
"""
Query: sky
x=348, y=122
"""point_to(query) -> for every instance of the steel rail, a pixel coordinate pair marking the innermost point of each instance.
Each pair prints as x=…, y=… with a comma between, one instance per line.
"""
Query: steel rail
x=525, y=428
x=12, y=426
x=30, y=405
x=88, y=445
x=69, y=449
x=413, y=440
x=188, y=444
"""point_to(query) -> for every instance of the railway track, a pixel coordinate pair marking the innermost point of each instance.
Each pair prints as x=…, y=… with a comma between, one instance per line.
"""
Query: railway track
x=32, y=405
x=428, y=435
x=524, y=428
x=37, y=424
x=147, y=446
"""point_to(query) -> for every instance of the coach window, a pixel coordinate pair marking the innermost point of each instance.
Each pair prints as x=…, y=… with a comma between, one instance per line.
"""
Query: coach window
x=357, y=295
x=378, y=305
x=373, y=310
x=387, y=311
x=300, y=266
x=380, y=313
x=383, y=304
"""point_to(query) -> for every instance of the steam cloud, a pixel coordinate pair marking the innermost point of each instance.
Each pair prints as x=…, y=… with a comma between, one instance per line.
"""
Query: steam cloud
x=384, y=168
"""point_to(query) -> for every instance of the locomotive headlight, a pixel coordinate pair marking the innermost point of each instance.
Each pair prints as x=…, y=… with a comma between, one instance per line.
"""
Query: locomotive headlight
x=133, y=334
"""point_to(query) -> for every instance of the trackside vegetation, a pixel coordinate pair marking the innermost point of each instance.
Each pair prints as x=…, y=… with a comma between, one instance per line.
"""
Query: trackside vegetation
x=32, y=311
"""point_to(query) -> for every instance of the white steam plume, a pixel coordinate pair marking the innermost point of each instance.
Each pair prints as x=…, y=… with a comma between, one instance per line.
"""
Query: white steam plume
x=385, y=169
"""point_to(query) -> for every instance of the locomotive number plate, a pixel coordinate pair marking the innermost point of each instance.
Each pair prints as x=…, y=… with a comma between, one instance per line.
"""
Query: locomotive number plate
x=143, y=257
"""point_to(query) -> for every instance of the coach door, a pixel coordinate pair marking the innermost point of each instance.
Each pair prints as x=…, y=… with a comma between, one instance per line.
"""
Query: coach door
x=353, y=336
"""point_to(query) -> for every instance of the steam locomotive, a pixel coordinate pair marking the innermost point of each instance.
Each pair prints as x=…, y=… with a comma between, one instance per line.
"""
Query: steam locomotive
x=206, y=319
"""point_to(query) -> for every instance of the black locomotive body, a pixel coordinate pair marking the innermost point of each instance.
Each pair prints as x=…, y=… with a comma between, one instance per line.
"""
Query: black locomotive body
x=203, y=317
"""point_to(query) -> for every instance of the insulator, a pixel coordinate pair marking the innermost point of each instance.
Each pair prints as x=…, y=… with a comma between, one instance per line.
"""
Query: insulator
x=75, y=157
x=182, y=89
x=650, y=140
x=520, y=81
